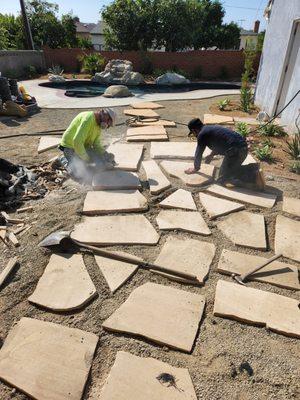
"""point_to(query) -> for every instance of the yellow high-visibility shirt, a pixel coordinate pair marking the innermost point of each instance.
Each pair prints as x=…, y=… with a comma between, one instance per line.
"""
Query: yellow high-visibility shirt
x=83, y=133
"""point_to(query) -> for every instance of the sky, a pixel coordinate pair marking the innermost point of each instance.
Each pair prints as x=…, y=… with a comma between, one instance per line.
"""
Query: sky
x=243, y=12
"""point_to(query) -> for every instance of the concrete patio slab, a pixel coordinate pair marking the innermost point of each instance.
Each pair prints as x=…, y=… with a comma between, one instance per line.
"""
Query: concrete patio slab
x=116, y=180
x=146, y=134
x=103, y=202
x=176, y=169
x=179, y=199
x=65, y=284
x=175, y=150
x=157, y=180
x=245, y=229
x=152, y=311
x=291, y=206
x=122, y=382
x=127, y=156
x=215, y=119
x=145, y=113
x=47, y=143
x=46, y=360
x=277, y=273
x=115, y=230
x=147, y=105
x=287, y=237
x=188, y=221
x=216, y=207
x=277, y=313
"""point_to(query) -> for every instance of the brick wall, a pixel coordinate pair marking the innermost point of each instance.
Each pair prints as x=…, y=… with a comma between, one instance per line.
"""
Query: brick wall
x=211, y=61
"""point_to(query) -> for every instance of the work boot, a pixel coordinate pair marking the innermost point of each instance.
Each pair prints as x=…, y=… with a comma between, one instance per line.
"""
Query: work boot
x=5, y=93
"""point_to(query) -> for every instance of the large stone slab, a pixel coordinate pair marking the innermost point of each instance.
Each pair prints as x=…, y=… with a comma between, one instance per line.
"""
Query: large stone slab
x=122, y=382
x=102, y=202
x=147, y=105
x=48, y=143
x=179, y=199
x=127, y=156
x=216, y=207
x=47, y=361
x=278, y=313
x=157, y=180
x=215, y=119
x=188, y=221
x=245, y=229
x=176, y=169
x=115, y=272
x=141, y=113
x=7, y=270
x=115, y=229
x=160, y=122
x=65, y=284
x=146, y=133
x=175, y=150
x=189, y=255
x=260, y=199
x=160, y=313
x=287, y=237
x=115, y=180
x=277, y=273
x=291, y=205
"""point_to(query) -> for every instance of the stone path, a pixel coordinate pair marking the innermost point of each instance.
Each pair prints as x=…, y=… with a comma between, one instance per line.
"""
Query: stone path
x=291, y=206
x=176, y=169
x=179, y=199
x=114, y=180
x=147, y=105
x=287, y=237
x=156, y=179
x=127, y=157
x=216, y=207
x=48, y=143
x=188, y=221
x=146, y=134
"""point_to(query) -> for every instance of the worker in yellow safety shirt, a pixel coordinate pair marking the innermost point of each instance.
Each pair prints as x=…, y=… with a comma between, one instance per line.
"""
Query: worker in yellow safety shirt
x=82, y=146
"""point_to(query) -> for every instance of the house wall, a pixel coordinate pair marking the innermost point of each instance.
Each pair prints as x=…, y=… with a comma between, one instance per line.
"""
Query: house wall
x=14, y=62
x=248, y=41
x=273, y=61
x=98, y=41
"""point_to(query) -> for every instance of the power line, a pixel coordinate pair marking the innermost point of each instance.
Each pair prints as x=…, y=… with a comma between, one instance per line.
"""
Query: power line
x=244, y=8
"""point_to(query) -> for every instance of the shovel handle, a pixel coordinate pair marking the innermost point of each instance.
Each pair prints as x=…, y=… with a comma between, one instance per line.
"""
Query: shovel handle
x=265, y=263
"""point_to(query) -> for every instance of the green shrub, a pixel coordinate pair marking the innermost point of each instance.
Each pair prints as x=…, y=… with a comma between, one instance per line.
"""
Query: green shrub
x=85, y=43
x=56, y=70
x=271, y=130
x=293, y=147
x=295, y=167
x=264, y=153
x=30, y=71
x=268, y=142
x=158, y=72
x=197, y=72
x=246, y=97
x=92, y=63
x=222, y=104
x=224, y=72
x=242, y=128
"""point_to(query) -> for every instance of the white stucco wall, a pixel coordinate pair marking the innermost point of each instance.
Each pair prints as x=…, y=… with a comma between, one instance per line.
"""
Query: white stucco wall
x=273, y=61
x=98, y=41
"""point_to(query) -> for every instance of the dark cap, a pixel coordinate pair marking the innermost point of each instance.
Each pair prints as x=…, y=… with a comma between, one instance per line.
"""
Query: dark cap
x=194, y=124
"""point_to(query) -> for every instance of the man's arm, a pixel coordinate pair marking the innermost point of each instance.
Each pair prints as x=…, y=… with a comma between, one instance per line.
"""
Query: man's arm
x=198, y=156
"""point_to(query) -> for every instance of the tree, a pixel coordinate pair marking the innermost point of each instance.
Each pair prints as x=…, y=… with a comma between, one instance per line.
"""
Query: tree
x=12, y=28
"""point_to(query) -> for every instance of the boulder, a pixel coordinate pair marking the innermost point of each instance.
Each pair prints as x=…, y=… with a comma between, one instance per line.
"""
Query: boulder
x=171, y=78
x=102, y=77
x=119, y=72
x=117, y=91
x=56, y=78
x=133, y=78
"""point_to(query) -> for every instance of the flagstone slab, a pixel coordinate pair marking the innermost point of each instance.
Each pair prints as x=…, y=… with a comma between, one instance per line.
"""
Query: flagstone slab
x=65, y=284
x=47, y=361
x=215, y=119
x=249, y=160
x=175, y=150
x=177, y=169
x=287, y=237
x=188, y=221
x=216, y=207
x=160, y=313
x=115, y=229
x=147, y=105
x=146, y=133
x=47, y=143
x=179, y=199
x=133, y=377
x=115, y=180
x=245, y=229
x=277, y=313
x=277, y=273
x=102, y=202
x=141, y=113
x=291, y=205
x=116, y=272
x=260, y=199
x=127, y=156
x=156, y=178
x=189, y=255
x=160, y=122
x=7, y=270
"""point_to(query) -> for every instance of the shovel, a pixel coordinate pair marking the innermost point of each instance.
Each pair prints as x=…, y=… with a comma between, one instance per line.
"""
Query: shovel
x=62, y=238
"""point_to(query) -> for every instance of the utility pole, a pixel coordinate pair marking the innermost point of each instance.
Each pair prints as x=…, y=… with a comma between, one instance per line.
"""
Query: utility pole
x=26, y=26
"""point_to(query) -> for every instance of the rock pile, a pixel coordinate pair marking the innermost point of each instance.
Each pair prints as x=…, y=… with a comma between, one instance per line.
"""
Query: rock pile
x=119, y=72
x=171, y=78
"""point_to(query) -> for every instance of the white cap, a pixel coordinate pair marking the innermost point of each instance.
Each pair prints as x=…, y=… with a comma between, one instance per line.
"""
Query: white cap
x=112, y=114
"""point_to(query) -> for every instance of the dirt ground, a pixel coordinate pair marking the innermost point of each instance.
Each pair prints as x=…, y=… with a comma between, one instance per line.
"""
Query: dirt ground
x=221, y=346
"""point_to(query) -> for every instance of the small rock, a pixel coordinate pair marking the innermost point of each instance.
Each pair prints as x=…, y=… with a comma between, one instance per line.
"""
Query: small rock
x=245, y=366
x=117, y=91
x=56, y=78
x=270, y=178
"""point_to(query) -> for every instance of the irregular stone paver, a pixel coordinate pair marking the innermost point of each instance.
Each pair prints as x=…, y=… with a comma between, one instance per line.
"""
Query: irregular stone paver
x=179, y=199
x=153, y=311
x=133, y=377
x=216, y=207
x=291, y=205
x=47, y=361
x=103, y=202
x=141, y=113
x=261, y=199
x=65, y=284
x=287, y=237
x=277, y=273
x=175, y=150
x=7, y=270
x=127, y=156
x=176, y=169
x=188, y=255
x=116, y=272
x=115, y=229
x=242, y=303
x=146, y=133
x=215, y=119
x=47, y=143
x=189, y=221
x=245, y=229
x=249, y=160
x=160, y=122
x=115, y=180
x=157, y=180
x=147, y=105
